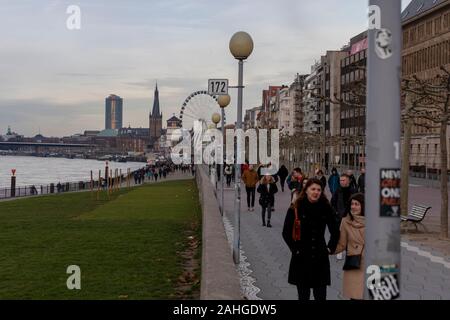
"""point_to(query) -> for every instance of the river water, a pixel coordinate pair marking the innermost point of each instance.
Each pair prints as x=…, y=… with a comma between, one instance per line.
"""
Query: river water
x=43, y=171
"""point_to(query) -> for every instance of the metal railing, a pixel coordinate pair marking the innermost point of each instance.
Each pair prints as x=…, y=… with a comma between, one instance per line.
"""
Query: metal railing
x=53, y=188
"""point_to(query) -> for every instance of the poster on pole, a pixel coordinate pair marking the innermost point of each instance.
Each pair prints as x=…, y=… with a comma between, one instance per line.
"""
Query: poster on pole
x=390, y=193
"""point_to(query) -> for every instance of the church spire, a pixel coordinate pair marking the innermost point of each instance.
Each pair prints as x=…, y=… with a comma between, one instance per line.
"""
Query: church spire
x=156, y=112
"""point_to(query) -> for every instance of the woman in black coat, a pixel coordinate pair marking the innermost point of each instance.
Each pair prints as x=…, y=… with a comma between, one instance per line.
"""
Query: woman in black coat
x=310, y=265
x=267, y=189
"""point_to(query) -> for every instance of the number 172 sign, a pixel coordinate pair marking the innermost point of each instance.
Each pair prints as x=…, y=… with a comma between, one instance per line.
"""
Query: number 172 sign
x=217, y=86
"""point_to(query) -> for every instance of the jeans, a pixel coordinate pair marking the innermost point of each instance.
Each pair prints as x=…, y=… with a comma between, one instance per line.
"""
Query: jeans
x=320, y=293
x=228, y=180
x=250, y=196
x=263, y=213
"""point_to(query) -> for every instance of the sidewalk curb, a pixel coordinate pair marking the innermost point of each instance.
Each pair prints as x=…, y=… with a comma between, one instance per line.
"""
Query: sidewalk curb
x=219, y=279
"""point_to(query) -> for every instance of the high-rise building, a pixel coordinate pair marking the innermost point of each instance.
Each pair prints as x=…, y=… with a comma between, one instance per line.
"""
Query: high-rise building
x=113, y=112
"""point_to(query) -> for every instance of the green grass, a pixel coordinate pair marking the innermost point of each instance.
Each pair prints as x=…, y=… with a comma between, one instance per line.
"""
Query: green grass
x=129, y=245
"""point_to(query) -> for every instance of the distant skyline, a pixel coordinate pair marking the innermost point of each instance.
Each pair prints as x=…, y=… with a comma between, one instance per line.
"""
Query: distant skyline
x=56, y=80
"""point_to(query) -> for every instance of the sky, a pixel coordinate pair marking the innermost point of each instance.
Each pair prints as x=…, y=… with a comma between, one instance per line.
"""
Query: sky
x=54, y=80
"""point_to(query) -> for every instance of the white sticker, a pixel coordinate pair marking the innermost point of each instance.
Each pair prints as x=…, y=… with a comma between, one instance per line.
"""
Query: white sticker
x=383, y=43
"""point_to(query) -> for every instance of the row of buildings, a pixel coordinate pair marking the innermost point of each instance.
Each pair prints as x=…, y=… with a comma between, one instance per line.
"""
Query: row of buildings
x=329, y=102
x=114, y=139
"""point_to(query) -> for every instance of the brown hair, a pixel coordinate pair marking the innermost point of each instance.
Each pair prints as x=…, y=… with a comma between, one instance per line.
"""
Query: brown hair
x=360, y=198
x=310, y=182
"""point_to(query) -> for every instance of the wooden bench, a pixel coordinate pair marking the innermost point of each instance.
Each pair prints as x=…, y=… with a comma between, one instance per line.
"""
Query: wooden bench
x=416, y=215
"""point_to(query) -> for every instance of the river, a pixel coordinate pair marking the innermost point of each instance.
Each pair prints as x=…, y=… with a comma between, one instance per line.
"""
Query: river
x=42, y=171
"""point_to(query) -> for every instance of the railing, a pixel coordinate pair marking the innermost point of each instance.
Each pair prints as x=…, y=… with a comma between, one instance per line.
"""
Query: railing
x=52, y=188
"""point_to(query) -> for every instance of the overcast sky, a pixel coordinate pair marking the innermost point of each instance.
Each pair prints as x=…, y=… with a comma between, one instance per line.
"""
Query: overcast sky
x=55, y=80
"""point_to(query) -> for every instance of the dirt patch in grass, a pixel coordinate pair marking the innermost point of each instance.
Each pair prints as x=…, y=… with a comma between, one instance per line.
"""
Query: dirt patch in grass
x=188, y=283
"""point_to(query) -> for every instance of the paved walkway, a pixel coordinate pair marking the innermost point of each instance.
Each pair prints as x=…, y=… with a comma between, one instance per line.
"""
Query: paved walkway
x=425, y=271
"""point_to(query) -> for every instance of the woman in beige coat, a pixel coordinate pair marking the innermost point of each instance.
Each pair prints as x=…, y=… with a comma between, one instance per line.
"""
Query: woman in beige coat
x=352, y=240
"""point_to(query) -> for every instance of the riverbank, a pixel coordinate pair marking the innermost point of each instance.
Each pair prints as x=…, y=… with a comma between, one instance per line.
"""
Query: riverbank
x=142, y=243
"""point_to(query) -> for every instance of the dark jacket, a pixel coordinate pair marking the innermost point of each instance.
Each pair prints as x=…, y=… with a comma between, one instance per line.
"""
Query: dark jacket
x=340, y=201
x=362, y=183
x=323, y=182
x=294, y=183
x=310, y=265
x=267, y=196
x=333, y=182
x=283, y=173
x=353, y=183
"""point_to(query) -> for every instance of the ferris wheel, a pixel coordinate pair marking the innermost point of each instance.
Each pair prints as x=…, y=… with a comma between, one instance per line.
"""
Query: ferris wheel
x=198, y=106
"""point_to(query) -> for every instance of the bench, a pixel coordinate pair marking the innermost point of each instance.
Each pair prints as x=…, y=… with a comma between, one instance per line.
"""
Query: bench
x=416, y=215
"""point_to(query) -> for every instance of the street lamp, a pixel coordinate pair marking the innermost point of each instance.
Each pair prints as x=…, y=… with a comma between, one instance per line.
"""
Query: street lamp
x=223, y=101
x=241, y=47
x=215, y=118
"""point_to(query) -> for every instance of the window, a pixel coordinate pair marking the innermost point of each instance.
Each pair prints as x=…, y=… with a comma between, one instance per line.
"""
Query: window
x=421, y=31
x=405, y=38
x=447, y=21
x=437, y=25
x=429, y=28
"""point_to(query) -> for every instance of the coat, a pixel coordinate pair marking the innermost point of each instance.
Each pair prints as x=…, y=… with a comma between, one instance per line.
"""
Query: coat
x=362, y=183
x=341, y=200
x=283, y=173
x=310, y=265
x=250, y=178
x=294, y=184
x=333, y=182
x=267, y=196
x=352, y=240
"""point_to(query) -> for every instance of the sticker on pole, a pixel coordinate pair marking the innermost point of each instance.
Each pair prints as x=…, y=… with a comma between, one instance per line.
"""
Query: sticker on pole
x=383, y=43
x=390, y=193
x=388, y=288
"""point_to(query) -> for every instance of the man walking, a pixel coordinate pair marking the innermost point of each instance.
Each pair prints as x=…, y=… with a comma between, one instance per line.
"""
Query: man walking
x=250, y=179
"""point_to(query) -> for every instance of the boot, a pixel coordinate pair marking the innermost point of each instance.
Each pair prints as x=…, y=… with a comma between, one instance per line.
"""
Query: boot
x=268, y=224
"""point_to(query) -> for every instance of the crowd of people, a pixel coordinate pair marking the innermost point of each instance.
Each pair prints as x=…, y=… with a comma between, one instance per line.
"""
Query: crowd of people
x=309, y=213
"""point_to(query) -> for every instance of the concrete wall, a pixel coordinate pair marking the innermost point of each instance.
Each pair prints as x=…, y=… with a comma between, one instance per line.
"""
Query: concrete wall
x=219, y=279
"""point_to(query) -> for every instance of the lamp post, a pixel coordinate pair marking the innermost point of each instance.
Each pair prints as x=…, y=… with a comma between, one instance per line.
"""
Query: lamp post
x=224, y=101
x=215, y=118
x=241, y=46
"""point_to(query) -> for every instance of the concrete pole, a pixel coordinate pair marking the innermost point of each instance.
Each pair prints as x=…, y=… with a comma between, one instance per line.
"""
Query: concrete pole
x=382, y=243
x=222, y=177
x=237, y=182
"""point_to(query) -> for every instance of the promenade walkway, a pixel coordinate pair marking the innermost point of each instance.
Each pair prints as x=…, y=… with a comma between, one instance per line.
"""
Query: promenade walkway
x=425, y=271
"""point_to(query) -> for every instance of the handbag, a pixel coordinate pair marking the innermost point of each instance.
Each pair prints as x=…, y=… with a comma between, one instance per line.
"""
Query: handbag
x=296, y=228
x=353, y=262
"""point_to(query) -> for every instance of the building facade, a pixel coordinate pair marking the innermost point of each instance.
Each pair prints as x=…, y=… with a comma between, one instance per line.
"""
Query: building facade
x=426, y=47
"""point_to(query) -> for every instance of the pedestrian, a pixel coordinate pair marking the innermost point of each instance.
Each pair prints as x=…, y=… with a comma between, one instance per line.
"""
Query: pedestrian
x=333, y=181
x=228, y=174
x=250, y=179
x=362, y=181
x=304, y=182
x=311, y=214
x=353, y=183
x=282, y=173
x=322, y=178
x=340, y=200
x=295, y=181
x=267, y=189
x=156, y=176
x=352, y=240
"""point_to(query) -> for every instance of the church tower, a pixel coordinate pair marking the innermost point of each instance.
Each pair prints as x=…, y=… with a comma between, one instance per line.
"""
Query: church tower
x=155, y=119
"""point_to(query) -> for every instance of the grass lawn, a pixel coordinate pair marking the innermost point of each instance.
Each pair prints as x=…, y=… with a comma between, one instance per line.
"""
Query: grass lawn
x=143, y=243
